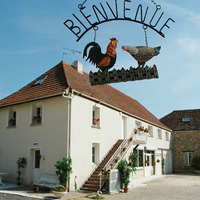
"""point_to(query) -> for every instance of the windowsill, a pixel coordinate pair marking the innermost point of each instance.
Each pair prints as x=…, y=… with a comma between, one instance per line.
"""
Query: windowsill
x=38, y=124
x=139, y=168
x=98, y=127
x=94, y=164
x=159, y=138
x=9, y=127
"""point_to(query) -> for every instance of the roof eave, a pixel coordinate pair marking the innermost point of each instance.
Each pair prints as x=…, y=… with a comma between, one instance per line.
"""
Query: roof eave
x=30, y=100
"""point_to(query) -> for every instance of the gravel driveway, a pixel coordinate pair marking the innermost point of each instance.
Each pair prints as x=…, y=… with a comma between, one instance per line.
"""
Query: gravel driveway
x=170, y=187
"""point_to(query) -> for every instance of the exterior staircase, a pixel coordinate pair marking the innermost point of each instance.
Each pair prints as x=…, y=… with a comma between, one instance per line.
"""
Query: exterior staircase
x=92, y=184
x=117, y=152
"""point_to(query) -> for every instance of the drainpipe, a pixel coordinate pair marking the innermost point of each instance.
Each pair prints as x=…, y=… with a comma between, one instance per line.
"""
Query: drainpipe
x=68, y=95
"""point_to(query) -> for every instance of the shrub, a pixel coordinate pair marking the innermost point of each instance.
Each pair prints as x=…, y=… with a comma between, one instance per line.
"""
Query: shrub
x=196, y=162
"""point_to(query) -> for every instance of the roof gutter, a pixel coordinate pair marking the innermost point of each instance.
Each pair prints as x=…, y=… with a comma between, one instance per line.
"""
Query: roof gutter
x=117, y=109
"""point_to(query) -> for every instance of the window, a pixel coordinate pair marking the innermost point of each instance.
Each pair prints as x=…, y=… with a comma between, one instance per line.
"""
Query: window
x=124, y=127
x=36, y=114
x=167, y=136
x=187, y=158
x=140, y=158
x=95, y=153
x=39, y=81
x=150, y=128
x=185, y=119
x=96, y=117
x=138, y=124
x=12, y=118
x=159, y=134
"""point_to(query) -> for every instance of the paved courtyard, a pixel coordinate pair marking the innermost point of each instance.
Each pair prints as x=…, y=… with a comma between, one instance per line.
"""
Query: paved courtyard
x=169, y=187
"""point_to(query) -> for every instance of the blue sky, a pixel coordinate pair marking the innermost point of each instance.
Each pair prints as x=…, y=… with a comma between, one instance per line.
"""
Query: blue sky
x=32, y=37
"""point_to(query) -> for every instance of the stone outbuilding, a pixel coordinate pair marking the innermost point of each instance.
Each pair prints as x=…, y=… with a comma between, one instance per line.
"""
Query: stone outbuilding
x=186, y=132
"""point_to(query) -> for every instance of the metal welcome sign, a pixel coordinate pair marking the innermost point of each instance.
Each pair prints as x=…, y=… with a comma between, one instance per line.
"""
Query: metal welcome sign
x=118, y=10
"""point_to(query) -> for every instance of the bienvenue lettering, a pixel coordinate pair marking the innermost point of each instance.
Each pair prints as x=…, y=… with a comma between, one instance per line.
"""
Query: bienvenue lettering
x=105, y=13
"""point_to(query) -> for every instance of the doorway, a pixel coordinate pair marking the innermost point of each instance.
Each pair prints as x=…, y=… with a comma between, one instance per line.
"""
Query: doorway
x=36, y=165
x=149, y=163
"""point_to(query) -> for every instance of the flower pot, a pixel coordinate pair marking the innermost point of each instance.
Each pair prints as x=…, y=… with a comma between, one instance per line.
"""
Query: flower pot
x=59, y=194
x=125, y=190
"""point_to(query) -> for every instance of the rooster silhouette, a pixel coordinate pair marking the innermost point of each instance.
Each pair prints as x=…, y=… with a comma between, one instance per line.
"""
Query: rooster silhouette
x=102, y=61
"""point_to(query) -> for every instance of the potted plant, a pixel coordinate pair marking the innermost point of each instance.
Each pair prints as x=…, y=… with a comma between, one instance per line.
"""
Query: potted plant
x=146, y=130
x=124, y=149
x=196, y=164
x=116, y=159
x=64, y=168
x=106, y=173
x=135, y=131
x=111, y=165
x=124, y=171
x=141, y=128
x=130, y=139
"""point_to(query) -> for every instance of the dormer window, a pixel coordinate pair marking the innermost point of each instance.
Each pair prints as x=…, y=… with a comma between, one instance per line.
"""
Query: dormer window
x=39, y=81
x=12, y=118
x=185, y=119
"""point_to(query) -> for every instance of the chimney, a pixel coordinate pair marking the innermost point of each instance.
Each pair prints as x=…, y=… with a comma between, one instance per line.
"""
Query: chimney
x=78, y=66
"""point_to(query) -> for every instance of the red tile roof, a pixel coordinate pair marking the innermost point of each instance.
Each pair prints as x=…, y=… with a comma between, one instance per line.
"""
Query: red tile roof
x=54, y=83
x=63, y=75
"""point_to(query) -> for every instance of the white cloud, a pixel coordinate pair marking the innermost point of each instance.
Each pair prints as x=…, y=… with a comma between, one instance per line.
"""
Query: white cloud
x=182, y=12
x=188, y=45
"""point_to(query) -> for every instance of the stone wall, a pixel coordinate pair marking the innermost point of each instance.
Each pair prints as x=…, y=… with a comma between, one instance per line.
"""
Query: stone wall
x=185, y=141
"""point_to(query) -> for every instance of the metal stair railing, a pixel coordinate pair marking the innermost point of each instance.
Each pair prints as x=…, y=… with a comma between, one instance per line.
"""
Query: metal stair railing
x=140, y=137
x=96, y=166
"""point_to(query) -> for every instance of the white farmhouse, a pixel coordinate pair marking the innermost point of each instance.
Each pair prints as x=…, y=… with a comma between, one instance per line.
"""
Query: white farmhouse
x=61, y=115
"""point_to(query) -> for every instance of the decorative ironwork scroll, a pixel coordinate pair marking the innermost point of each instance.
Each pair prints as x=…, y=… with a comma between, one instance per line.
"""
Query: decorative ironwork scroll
x=115, y=76
x=105, y=13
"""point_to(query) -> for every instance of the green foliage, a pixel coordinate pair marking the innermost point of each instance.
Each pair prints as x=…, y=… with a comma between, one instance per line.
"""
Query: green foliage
x=196, y=162
x=59, y=188
x=133, y=159
x=64, y=168
x=163, y=162
x=21, y=162
x=124, y=171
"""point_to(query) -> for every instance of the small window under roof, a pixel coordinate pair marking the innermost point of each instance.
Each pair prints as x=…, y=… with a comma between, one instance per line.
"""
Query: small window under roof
x=39, y=81
x=185, y=119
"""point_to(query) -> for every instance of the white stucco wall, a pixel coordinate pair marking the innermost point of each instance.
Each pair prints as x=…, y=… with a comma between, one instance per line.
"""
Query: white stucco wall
x=18, y=141
x=51, y=136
